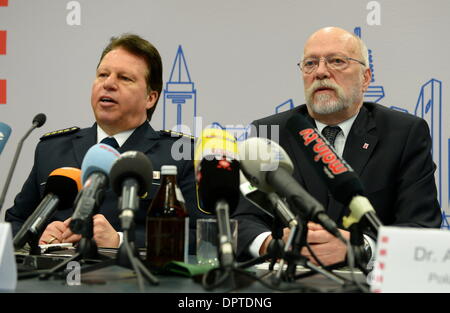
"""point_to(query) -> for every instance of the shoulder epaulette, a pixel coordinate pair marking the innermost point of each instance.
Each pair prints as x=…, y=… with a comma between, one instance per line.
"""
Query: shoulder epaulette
x=60, y=132
x=174, y=134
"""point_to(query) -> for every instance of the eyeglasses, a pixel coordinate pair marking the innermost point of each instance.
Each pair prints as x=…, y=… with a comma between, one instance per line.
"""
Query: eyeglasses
x=333, y=62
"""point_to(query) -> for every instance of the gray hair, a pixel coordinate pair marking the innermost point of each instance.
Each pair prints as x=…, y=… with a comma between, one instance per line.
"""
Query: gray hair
x=364, y=51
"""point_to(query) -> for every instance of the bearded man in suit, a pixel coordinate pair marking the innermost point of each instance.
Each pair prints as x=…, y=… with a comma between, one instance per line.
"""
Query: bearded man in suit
x=389, y=150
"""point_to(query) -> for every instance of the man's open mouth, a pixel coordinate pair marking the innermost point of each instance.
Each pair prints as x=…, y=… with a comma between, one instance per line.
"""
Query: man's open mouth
x=107, y=99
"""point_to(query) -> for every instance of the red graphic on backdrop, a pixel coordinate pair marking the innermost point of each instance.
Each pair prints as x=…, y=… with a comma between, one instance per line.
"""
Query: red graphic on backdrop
x=2, y=91
x=3, y=3
x=2, y=41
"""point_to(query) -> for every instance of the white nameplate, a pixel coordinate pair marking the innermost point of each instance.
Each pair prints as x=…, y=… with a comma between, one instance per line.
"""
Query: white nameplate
x=8, y=269
x=411, y=260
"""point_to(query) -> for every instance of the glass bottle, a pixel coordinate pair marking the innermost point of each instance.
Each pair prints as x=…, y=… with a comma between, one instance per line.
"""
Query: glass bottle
x=167, y=222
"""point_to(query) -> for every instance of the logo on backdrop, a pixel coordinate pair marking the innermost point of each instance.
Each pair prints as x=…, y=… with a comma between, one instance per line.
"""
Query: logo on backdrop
x=180, y=98
x=375, y=92
x=429, y=107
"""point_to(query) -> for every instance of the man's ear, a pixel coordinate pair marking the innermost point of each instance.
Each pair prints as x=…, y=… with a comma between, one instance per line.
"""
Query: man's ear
x=367, y=77
x=152, y=97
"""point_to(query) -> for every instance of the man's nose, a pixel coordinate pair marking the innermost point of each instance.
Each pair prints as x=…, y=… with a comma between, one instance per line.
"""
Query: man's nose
x=110, y=82
x=322, y=71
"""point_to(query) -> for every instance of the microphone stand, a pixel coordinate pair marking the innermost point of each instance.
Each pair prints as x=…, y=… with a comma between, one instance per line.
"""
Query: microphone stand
x=275, y=249
x=127, y=255
x=297, y=239
x=228, y=273
x=357, y=242
x=33, y=242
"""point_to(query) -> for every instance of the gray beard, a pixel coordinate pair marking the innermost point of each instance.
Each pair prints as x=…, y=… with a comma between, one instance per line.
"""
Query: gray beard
x=325, y=105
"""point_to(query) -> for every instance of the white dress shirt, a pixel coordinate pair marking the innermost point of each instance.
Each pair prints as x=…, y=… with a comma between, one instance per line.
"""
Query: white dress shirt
x=120, y=138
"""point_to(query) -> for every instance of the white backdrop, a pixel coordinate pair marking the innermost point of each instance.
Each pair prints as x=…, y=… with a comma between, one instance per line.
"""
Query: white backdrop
x=235, y=61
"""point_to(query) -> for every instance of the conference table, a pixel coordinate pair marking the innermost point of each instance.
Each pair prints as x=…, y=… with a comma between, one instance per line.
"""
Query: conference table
x=112, y=278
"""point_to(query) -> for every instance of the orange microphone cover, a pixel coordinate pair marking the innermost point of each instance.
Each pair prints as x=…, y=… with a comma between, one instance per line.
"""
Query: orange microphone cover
x=64, y=182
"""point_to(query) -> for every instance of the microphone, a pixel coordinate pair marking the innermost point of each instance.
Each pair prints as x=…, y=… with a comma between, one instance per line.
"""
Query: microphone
x=131, y=177
x=271, y=169
x=38, y=121
x=255, y=196
x=217, y=175
x=343, y=183
x=5, y=131
x=267, y=202
x=61, y=188
x=95, y=168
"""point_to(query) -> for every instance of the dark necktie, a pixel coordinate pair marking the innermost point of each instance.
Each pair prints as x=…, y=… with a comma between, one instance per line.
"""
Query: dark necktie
x=111, y=141
x=330, y=133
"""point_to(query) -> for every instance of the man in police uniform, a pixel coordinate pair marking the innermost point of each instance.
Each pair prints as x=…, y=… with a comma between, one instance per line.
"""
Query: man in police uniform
x=124, y=95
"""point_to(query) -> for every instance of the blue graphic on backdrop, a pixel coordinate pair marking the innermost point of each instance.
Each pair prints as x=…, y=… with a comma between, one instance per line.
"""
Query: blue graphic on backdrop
x=180, y=98
x=240, y=133
x=429, y=107
x=374, y=93
x=285, y=106
x=445, y=217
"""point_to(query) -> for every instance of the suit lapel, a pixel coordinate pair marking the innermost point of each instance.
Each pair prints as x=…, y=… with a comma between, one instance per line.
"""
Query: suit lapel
x=361, y=141
x=83, y=140
x=360, y=144
x=142, y=139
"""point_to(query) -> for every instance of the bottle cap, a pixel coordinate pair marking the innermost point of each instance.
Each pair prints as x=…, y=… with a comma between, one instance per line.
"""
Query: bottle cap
x=168, y=170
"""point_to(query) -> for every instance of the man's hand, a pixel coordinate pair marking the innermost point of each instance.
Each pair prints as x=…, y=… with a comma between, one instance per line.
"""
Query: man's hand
x=328, y=249
x=104, y=234
x=58, y=232
x=68, y=236
x=265, y=245
x=52, y=233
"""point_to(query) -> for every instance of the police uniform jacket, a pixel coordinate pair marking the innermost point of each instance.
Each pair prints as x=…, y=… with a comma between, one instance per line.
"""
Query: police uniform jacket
x=67, y=149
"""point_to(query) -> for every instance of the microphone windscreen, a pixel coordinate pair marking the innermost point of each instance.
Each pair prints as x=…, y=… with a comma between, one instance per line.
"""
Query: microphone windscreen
x=5, y=132
x=215, y=142
x=99, y=158
x=258, y=156
x=217, y=169
x=39, y=119
x=64, y=182
x=132, y=164
x=338, y=175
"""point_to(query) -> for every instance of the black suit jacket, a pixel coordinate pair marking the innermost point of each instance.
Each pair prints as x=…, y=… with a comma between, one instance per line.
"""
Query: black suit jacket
x=68, y=151
x=396, y=170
